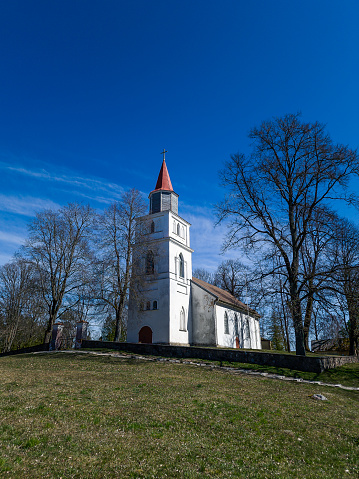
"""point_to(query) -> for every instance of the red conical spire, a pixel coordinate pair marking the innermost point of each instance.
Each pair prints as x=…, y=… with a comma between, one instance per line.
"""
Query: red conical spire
x=164, y=182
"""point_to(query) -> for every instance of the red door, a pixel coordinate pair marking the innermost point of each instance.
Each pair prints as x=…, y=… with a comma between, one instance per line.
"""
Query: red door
x=237, y=342
x=145, y=335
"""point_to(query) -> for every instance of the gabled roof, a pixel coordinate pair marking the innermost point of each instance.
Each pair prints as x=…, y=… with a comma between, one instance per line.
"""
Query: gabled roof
x=224, y=296
x=163, y=181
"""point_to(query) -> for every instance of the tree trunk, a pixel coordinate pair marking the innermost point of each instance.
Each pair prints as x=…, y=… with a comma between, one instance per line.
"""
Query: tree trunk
x=50, y=323
x=297, y=320
x=353, y=339
x=307, y=320
x=48, y=332
x=285, y=319
x=119, y=314
x=353, y=321
x=118, y=328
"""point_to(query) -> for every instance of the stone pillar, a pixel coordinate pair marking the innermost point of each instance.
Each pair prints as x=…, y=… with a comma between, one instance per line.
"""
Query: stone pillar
x=81, y=333
x=55, y=343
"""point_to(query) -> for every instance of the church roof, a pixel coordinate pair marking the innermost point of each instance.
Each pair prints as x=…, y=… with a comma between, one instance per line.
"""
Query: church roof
x=163, y=181
x=225, y=296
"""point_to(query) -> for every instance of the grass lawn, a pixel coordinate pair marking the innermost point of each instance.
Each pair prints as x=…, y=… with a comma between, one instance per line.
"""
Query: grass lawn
x=347, y=375
x=83, y=416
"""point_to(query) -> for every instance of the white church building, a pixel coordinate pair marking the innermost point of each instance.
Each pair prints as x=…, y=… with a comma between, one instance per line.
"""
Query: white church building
x=172, y=306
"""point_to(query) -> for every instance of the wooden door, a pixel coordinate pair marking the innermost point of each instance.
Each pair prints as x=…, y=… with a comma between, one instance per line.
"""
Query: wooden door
x=145, y=335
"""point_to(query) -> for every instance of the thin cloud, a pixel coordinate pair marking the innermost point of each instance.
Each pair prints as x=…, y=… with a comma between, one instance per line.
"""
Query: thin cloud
x=77, y=183
x=25, y=205
x=11, y=238
x=5, y=258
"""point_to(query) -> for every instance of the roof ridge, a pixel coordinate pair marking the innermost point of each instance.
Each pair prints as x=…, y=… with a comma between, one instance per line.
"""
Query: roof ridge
x=223, y=295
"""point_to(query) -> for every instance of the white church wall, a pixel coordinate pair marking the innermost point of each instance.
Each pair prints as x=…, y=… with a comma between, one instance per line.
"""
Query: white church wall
x=246, y=329
x=203, y=317
x=179, y=229
x=166, y=235
x=225, y=338
x=258, y=335
x=180, y=289
x=156, y=319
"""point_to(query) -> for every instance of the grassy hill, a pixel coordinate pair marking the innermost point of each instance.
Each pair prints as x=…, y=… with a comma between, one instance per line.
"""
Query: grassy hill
x=82, y=416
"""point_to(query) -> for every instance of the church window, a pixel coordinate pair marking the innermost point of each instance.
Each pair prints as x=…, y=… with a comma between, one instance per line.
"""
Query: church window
x=154, y=305
x=236, y=324
x=182, y=320
x=148, y=305
x=150, y=263
x=141, y=306
x=152, y=227
x=226, y=325
x=178, y=229
x=181, y=266
x=249, y=333
x=174, y=226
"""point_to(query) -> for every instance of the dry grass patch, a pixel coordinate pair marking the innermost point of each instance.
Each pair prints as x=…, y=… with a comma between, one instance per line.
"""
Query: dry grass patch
x=83, y=416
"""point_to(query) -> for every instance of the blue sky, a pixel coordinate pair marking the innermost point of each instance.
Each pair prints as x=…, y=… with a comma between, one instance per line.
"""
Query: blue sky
x=92, y=91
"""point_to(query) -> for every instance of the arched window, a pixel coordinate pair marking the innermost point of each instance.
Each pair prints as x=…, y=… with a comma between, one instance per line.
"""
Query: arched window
x=182, y=320
x=181, y=266
x=178, y=229
x=226, y=325
x=148, y=305
x=248, y=333
x=236, y=325
x=154, y=305
x=241, y=331
x=150, y=263
x=174, y=226
x=152, y=227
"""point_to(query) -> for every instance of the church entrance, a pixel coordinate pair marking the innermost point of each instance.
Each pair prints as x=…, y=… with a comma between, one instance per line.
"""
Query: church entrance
x=145, y=335
x=237, y=342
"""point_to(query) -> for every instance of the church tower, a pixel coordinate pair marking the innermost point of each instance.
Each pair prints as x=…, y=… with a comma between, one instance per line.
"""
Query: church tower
x=161, y=313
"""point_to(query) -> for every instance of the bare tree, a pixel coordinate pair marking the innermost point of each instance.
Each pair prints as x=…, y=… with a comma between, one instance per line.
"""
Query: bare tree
x=316, y=267
x=116, y=231
x=273, y=193
x=204, y=275
x=58, y=248
x=345, y=278
x=16, y=287
x=231, y=275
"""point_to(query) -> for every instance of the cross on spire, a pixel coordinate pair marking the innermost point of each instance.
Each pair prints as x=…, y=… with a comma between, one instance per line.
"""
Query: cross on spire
x=164, y=153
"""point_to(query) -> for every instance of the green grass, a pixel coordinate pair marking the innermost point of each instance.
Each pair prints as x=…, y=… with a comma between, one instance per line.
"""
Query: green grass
x=347, y=375
x=83, y=416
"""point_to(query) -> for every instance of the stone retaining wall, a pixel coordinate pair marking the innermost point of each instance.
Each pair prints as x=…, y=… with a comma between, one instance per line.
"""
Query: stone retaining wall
x=30, y=349
x=300, y=363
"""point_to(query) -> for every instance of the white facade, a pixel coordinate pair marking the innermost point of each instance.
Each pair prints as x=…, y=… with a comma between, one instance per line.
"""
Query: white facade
x=219, y=323
x=169, y=285
x=171, y=307
x=240, y=325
